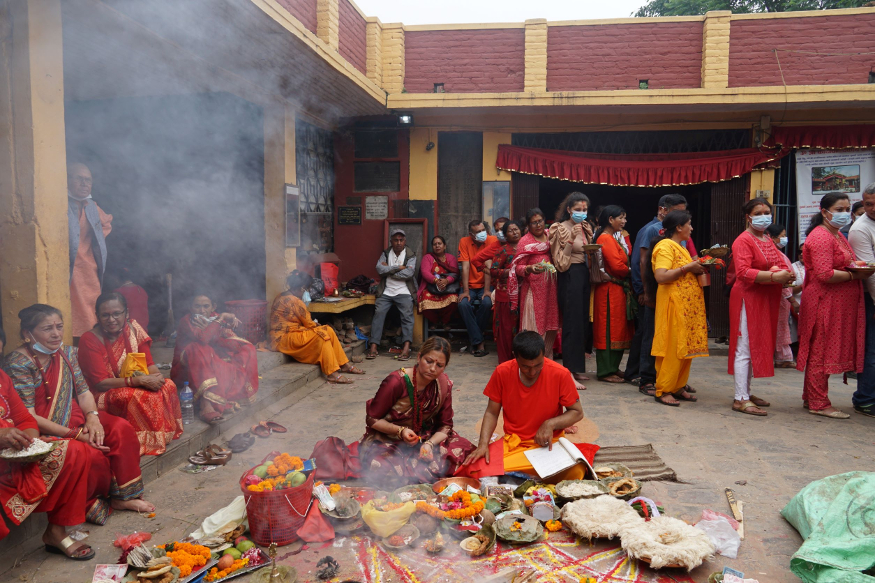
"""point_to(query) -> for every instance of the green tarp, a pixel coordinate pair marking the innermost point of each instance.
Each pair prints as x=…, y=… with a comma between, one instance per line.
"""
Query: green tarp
x=836, y=517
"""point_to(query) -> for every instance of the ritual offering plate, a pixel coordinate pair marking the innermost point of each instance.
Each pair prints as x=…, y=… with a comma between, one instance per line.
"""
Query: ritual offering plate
x=716, y=251
x=462, y=483
x=519, y=529
x=413, y=492
x=606, y=471
x=36, y=451
x=480, y=543
x=623, y=488
x=592, y=247
x=667, y=542
x=347, y=527
x=257, y=560
x=345, y=508
x=580, y=489
x=602, y=517
x=868, y=269
x=403, y=537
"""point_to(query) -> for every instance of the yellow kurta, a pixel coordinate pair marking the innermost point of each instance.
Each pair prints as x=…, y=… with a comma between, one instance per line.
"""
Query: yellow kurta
x=293, y=332
x=680, y=326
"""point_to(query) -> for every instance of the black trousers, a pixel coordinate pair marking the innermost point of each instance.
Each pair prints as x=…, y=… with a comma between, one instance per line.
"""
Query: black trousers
x=574, y=303
x=633, y=365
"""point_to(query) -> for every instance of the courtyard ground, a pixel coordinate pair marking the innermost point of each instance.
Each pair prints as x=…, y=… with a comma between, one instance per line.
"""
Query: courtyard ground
x=765, y=460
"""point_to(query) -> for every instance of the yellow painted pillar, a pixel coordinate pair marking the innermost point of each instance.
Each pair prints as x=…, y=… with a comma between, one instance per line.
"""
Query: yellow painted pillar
x=34, y=250
x=393, y=58
x=491, y=141
x=374, y=50
x=536, y=56
x=762, y=183
x=715, y=49
x=328, y=22
x=279, y=170
x=423, y=164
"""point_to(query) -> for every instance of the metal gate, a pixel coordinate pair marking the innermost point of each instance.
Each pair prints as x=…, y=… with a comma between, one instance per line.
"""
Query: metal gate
x=460, y=180
x=727, y=222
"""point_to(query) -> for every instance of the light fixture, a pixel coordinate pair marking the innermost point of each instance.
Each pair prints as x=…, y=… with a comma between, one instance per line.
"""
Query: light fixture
x=429, y=146
x=405, y=119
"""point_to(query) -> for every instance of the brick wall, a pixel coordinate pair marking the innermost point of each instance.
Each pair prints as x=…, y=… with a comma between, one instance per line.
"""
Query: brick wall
x=605, y=57
x=353, y=36
x=752, y=59
x=303, y=10
x=465, y=61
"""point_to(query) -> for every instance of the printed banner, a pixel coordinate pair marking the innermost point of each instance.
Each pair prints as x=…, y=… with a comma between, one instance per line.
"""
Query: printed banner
x=822, y=171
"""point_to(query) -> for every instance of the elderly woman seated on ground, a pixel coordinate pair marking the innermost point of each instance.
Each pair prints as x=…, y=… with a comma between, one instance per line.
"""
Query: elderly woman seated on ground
x=293, y=332
x=221, y=367
x=410, y=436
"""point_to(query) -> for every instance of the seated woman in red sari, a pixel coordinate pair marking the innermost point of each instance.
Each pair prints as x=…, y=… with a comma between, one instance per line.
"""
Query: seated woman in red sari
x=439, y=277
x=117, y=363
x=49, y=382
x=410, y=436
x=221, y=367
x=57, y=484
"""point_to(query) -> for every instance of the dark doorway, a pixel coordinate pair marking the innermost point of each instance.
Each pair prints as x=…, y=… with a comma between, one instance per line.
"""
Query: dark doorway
x=183, y=177
x=460, y=179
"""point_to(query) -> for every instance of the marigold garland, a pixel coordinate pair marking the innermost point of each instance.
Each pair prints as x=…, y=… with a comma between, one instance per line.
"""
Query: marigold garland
x=468, y=509
x=215, y=574
x=553, y=525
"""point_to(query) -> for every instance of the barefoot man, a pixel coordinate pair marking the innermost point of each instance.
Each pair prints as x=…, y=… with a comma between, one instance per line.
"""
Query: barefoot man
x=540, y=400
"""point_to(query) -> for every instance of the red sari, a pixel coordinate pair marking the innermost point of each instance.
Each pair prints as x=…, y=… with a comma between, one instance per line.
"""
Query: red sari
x=155, y=415
x=220, y=366
x=505, y=322
x=391, y=461
x=536, y=296
x=57, y=484
x=761, y=302
x=52, y=395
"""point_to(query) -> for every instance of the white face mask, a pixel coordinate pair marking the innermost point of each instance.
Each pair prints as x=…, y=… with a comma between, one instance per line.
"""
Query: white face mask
x=42, y=349
x=306, y=297
x=782, y=242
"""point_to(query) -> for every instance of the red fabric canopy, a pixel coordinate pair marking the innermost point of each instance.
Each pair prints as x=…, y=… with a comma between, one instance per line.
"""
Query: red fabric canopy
x=635, y=170
x=829, y=137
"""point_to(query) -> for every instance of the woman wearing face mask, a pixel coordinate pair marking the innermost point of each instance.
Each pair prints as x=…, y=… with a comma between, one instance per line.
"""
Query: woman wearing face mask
x=293, y=332
x=568, y=235
x=505, y=322
x=108, y=355
x=410, y=436
x=49, y=381
x=614, y=305
x=760, y=272
x=832, y=326
x=783, y=353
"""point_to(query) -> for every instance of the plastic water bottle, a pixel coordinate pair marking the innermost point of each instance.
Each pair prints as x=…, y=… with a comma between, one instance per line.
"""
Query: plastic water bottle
x=186, y=402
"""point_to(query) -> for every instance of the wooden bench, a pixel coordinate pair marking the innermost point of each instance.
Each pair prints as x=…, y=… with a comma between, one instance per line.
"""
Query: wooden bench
x=346, y=304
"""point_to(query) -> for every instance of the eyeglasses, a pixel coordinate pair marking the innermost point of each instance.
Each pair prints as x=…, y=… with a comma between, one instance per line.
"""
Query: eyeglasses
x=113, y=315
x=537, y=223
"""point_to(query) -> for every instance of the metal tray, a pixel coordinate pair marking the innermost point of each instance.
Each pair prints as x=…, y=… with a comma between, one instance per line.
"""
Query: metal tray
x=200, y=573
x=247, y=569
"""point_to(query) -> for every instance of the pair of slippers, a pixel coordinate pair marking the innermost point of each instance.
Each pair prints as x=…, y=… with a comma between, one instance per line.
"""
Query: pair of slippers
x=265, y=428
x=212, y=455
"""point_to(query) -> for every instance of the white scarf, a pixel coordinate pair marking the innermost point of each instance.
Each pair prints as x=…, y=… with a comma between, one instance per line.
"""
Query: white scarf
x=397, y=260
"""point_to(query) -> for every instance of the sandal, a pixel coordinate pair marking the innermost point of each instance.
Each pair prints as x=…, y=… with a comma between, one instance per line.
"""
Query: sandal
x=685, y=396
x=834, y=414
x=66, y=544
x=649, y=389
x=212, y=455
x=689, y=389
x=275, y=427
x=667, y=403
x=759, y=402
x=339, y=380
x=372, y=355
x=354, y=370
x=211, y=418
x=241, y=442
x=480, y=353
x=403, y=356
x=749, y=408
x=260, y=429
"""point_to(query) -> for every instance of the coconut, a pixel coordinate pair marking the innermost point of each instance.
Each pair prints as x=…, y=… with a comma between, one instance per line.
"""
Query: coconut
x=601, y=517
x=667, y=541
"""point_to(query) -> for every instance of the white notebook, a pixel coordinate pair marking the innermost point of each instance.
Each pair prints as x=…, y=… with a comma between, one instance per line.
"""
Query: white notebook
x=564, y=455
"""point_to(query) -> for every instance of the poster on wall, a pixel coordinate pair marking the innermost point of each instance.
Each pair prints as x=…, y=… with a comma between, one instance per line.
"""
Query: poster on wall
x=293, y=216
x=822, y=171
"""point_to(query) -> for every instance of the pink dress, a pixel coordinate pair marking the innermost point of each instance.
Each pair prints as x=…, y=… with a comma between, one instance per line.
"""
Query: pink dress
x=534, y=294
x=832, y=325
x=750, y=256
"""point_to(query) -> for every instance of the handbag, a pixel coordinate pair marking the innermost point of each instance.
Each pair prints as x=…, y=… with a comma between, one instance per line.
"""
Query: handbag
x=452, y=288
x=336, y=461
x=597, y=273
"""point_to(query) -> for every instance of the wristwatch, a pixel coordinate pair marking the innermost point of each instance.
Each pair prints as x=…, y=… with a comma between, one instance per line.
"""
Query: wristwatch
x=92, y=413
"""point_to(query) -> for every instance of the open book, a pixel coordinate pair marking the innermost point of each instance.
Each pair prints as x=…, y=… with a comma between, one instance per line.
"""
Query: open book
x=564, y=455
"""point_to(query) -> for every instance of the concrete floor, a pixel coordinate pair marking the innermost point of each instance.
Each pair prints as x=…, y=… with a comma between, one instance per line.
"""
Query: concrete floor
x=710, y=446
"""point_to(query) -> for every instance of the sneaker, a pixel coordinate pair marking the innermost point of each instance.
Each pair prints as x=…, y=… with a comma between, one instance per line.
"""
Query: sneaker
x=867, y=410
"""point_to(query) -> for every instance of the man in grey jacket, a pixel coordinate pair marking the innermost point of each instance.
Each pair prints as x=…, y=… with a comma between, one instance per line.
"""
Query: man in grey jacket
x=397, y=270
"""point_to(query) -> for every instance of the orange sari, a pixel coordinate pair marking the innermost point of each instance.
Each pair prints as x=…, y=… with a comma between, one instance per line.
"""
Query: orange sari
x=293, y=332
x=155, y=415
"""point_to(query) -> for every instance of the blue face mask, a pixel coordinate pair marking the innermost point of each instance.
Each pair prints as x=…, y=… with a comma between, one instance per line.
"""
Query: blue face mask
x=500, y=236
x=578, y=216
x=761, y=222
x=782, y=242
x=840, y=220
x=481, y=237
x=306, y=298
x=40, y=348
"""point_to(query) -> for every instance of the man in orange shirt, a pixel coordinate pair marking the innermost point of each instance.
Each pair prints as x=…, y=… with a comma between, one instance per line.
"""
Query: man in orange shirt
x=540, y=400
x=475, y=286
x=88, y=228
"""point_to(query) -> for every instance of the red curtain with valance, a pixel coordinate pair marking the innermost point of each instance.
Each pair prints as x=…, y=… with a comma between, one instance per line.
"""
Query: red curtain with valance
x=827, y=137
x=635, y=170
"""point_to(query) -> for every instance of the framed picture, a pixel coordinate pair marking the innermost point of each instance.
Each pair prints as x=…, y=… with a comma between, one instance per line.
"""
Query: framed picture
x=496, y=202
x=293, y=216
